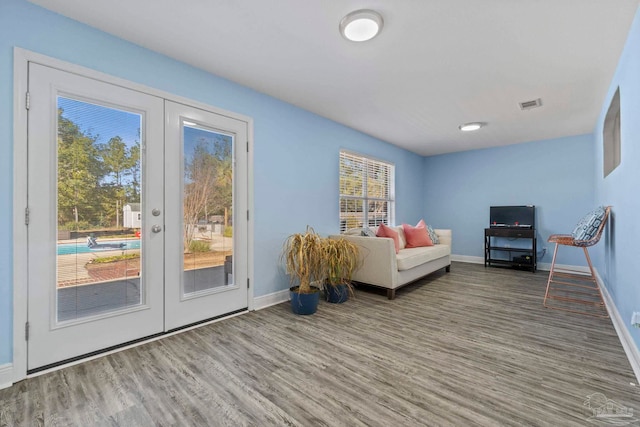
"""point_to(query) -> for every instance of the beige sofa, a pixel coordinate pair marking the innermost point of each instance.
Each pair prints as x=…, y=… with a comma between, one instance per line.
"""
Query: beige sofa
x=382, y=267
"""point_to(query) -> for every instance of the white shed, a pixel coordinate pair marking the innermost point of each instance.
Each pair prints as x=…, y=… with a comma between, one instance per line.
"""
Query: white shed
x=131, y=216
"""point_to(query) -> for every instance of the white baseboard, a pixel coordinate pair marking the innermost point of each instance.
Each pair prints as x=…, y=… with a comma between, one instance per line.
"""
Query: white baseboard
x=6, y=375
x=628, y=344
x=467, y=258
x=268, y=300
x=544, y=266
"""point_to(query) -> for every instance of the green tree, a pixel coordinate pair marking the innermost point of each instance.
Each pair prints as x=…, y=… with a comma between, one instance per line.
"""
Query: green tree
x=220, y=200
x=79, y=174
x=118, y=161
x=208, y=182
x=133, y=188
x=199, y=180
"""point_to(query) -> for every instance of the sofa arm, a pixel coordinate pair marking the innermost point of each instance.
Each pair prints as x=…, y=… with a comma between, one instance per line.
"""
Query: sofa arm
x=379, y=265
x=444, y=236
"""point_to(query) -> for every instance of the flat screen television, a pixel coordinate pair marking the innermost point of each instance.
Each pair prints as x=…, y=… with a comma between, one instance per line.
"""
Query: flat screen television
x=512, y=216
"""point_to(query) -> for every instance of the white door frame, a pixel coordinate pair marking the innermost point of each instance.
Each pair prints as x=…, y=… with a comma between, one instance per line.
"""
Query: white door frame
x=21, y=58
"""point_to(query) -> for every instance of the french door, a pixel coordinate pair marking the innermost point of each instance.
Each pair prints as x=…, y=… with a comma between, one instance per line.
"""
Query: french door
x=134, y=206
x=207, y=162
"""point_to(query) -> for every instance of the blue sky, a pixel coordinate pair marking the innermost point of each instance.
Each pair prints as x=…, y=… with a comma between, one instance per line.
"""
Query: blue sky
x=103, y=121
x=192, y=135
x=107, y=122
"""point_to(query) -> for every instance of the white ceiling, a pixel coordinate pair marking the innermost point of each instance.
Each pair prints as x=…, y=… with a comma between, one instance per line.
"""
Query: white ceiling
x=436, y=64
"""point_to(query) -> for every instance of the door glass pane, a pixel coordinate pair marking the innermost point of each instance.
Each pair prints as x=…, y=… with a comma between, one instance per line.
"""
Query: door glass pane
x=98, y=209
x=207, y=209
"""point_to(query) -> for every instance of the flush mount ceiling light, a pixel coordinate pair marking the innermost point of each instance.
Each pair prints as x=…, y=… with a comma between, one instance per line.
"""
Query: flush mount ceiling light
x=470, y=127
x=361, y=25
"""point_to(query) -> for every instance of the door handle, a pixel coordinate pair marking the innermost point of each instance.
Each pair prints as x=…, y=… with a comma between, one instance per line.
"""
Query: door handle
x=156, y=228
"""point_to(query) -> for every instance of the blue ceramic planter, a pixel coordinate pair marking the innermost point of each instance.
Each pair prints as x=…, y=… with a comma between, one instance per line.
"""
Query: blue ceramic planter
x=336, y=294
x=304, y=303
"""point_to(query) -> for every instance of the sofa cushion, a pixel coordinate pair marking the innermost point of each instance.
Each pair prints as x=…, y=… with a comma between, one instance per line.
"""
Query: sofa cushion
x=417, y=236
x=361, y=231
x=354, y=231
x=432, y=235
x=367, y=232
x=384, y=231
x=402, y=238
x=413, y=257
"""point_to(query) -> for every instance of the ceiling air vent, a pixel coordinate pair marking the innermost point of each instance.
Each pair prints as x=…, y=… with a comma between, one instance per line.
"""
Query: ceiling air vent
x=528, y=105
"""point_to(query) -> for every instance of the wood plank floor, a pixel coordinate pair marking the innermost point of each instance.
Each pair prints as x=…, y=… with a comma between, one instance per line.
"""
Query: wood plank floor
x=470, y=347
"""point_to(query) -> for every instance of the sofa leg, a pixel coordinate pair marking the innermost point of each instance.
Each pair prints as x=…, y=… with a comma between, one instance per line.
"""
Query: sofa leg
x=447, y=268
x=391, y=293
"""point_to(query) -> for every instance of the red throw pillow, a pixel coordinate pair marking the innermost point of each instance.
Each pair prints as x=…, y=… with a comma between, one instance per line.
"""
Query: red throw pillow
x=384, y=231
x=416, y=236
x=421, y=224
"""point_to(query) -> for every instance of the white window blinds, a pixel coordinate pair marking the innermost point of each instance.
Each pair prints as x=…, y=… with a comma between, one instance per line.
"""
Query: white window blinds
x=366, y=191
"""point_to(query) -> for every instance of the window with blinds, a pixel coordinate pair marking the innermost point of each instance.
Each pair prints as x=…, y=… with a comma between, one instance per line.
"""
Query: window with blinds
x=366, y=191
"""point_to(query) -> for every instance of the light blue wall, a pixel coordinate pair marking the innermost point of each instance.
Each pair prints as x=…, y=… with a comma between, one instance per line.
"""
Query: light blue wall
x=296, y=152
x=554, y=175
x=620, y=268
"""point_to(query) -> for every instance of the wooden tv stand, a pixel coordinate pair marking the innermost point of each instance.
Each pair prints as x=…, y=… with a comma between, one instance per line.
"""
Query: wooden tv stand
x=511, y=233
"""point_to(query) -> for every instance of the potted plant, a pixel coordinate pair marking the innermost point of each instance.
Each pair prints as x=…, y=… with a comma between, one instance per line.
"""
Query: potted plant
x=341, y=259
x=303, y=258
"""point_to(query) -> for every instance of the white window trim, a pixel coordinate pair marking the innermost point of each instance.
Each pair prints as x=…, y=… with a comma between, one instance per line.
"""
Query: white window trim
x=391, y=190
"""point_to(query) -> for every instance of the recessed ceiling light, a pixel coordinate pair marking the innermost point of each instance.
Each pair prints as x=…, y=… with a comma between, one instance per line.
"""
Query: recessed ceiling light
x=361, y=25
x=186, y=123
x=470, y=127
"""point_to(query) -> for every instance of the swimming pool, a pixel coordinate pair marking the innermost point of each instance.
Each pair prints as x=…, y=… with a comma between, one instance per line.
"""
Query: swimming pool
x=109, y=245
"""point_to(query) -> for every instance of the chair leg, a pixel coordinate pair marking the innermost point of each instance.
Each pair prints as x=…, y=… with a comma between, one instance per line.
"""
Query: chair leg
x=579, y=286
x=553, y=264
